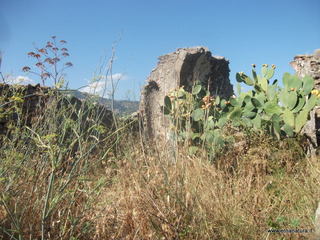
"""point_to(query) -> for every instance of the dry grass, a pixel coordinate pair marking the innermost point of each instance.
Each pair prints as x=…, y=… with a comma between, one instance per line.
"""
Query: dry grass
x=152, y=197
x=139, y=192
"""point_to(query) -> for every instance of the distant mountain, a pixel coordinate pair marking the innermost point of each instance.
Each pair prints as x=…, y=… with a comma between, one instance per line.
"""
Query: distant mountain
x=122, y=107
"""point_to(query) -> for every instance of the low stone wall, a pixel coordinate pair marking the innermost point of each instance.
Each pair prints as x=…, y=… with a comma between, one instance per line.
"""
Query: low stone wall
x=35, y=100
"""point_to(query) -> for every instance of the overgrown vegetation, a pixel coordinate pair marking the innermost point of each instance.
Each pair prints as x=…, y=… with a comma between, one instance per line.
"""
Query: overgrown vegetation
x=46, y=167
x=68, y=174
x=281, y=112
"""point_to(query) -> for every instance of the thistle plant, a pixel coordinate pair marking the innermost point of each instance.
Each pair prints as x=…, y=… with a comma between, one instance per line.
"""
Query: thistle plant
x=48, y=62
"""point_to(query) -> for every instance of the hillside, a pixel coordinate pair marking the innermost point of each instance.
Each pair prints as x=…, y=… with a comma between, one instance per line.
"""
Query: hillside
x=121, y=107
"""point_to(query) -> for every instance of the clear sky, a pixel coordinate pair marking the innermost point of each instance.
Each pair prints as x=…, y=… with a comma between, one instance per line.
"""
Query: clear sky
x=243, y=31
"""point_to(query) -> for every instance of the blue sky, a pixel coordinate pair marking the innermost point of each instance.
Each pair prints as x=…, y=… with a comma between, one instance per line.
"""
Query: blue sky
x=245, y=32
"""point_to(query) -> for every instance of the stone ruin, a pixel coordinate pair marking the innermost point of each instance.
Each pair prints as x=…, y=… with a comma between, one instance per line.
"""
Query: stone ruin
x=187, y=65
x=310, y=65
x=36, y=99
x=183, y=67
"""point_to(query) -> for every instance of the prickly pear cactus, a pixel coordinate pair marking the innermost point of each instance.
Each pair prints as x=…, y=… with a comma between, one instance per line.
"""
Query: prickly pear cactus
x=282, y=110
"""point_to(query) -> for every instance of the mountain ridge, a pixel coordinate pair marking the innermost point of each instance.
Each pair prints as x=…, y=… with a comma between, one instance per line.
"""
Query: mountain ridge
x=121, y=107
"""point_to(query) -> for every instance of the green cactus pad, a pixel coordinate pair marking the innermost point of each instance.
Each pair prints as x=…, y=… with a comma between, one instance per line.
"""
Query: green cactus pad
x=236, y=113
x=272, y=108
x=311, y=103
x=196, y=89
x=256, y=103
x=241, y=77
x=308, y=85
x=288, y=130
x=301, y=120
x=198, y=114
x=288, y=99
x=267, y=72
x=288, y=117
x=300, y=105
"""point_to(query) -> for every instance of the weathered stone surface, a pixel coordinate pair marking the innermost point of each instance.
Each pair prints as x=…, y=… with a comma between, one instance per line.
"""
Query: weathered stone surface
x=35, y=100
x=181, y=68
x=310, y=65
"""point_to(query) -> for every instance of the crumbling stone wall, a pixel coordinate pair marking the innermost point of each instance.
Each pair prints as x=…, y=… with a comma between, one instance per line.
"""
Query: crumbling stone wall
x=35, y=100
x=310, y=65
x=183, y=67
